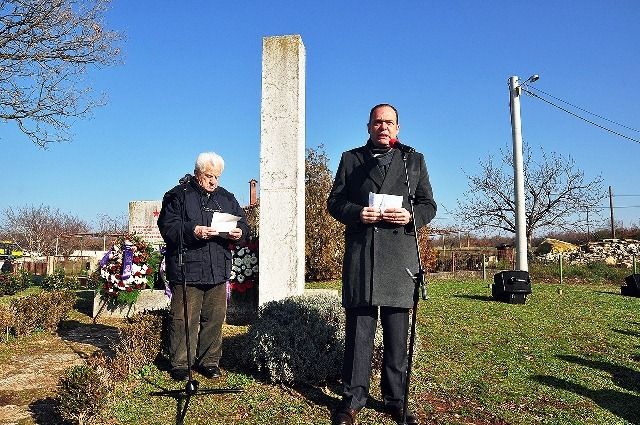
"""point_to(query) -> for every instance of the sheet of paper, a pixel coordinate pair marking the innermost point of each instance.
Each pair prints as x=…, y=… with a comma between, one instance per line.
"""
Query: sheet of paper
x=384, y=201
x=224, y=222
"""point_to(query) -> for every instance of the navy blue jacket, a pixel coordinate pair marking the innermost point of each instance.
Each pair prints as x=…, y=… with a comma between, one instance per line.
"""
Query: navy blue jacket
x=206, y=261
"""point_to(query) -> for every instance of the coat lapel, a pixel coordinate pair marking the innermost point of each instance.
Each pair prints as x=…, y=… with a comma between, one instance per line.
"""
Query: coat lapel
x=371, y=167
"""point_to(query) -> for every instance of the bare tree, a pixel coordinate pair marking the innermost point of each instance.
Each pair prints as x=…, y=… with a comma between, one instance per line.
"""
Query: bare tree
x=556, y=194
x=42, y=229
x=46, y=47
x=324, y=246
x=106, y=224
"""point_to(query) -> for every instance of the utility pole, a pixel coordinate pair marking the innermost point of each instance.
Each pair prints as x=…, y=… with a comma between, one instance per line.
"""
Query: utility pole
x=613, y=227
x=518, y=174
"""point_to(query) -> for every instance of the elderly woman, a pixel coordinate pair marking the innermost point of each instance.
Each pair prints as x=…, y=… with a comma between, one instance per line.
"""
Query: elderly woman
x=186, y=215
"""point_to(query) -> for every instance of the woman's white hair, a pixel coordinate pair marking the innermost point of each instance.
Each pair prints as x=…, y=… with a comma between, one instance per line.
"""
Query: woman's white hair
x=209, y=158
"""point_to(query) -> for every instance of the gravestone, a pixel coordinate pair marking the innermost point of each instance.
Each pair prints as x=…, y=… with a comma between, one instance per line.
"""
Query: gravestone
x=282, y=168
x=143, y=221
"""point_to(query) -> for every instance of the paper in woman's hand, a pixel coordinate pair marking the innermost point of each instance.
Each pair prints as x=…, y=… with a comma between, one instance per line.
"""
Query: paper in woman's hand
x=224, y=222
x=384, y=201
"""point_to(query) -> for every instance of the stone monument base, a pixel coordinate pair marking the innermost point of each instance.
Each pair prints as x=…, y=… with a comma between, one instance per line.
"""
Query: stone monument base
x=91, y=303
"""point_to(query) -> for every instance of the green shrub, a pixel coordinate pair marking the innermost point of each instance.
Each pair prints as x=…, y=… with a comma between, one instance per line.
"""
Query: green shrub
x=301, y=339
x=298, y=339
x=58, y=281
x=12, y=283
x=42, y=311
x=82, y=394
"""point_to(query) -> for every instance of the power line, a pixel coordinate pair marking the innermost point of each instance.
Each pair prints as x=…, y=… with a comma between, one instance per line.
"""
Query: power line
x=614, y=207
x=582, y=109
x=580, y=117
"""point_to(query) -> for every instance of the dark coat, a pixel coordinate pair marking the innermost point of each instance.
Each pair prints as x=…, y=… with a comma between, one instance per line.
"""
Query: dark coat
x=376, y=255
x=206, y=261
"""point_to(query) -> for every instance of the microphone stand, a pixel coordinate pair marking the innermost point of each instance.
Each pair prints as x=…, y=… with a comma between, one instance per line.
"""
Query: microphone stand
x=192, y=386
x=420, y=288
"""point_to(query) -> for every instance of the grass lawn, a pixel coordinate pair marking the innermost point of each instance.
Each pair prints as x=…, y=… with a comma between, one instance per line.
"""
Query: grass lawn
x=562, y=358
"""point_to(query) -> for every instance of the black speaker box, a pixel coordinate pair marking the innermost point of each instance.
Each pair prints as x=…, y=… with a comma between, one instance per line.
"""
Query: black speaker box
x=632, y=285
x=511, y=286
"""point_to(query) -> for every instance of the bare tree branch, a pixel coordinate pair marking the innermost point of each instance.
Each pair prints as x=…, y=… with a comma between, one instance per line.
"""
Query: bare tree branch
x=46, y=47
x=555, y=192
x=42, y=229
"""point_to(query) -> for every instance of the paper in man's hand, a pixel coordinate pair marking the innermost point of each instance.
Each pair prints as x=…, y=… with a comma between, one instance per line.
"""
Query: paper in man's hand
x=384, y=201
x=224, y=222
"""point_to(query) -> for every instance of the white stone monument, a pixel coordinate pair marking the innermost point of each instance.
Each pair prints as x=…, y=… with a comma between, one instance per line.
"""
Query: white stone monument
x=143, y=220
x=282, y=167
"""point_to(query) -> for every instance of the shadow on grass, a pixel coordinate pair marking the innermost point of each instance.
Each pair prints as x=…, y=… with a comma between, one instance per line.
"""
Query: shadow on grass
x=476, y=297
x=45, y=412
x=621, y=404
x=622, y=376
x=626, y=332
x=100, y=336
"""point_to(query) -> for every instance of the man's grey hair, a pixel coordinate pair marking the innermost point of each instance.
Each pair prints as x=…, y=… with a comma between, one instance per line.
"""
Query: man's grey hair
x=209, y=158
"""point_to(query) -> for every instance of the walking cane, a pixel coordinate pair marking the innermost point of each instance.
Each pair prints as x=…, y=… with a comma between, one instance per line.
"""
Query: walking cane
x=419, y=288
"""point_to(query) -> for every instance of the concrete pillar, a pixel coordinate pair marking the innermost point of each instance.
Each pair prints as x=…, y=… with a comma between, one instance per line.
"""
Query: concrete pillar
x=282, y=166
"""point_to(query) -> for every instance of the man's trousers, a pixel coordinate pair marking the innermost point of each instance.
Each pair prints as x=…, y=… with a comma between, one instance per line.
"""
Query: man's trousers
x=359, y=336
x=207, y=307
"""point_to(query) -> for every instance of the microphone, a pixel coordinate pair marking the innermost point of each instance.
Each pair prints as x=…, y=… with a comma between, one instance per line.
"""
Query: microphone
x=395, y=143
x=186, y=179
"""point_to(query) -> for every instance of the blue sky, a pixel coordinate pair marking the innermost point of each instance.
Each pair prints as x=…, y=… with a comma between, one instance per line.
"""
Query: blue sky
x=191, y=73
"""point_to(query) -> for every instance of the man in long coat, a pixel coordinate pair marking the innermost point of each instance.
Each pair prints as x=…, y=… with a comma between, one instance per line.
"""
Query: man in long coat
x=379, y=247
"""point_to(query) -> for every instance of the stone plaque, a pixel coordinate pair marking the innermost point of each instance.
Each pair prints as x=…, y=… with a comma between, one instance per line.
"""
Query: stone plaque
x=143, y=220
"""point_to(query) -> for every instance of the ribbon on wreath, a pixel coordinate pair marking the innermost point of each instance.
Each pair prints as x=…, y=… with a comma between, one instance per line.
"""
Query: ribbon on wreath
x=127, y=262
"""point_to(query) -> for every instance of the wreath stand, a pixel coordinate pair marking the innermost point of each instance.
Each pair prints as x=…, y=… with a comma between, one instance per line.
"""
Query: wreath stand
x=192, y=387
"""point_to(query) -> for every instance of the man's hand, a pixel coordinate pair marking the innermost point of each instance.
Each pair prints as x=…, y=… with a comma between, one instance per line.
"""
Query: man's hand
x=370, y=215
x=235, y=234
x=204, y=232
x=397, y=216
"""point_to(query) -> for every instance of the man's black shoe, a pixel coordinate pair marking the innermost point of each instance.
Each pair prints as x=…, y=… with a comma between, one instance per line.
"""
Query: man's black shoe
x=179, y=374
x=209, y=371
x=344, y=417
x=396, y=414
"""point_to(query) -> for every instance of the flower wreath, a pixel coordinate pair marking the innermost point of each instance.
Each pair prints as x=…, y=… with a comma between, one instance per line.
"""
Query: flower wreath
x=244, y=266
x=127, y=268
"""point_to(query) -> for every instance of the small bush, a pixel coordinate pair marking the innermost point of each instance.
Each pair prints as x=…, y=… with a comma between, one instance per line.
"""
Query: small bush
x=299, y=339
x=12, y=283
x=82, y=394
x=140, y=343
x=42, y=311
x=58, y=281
